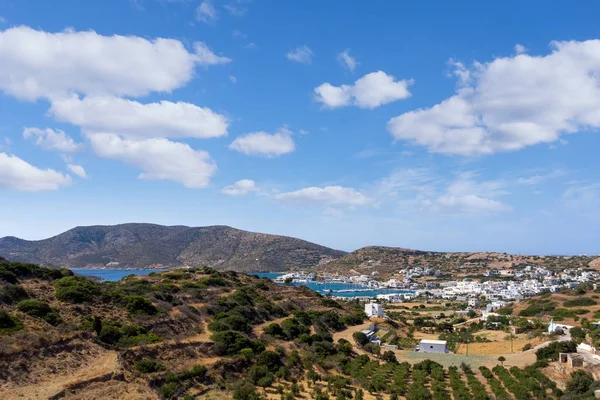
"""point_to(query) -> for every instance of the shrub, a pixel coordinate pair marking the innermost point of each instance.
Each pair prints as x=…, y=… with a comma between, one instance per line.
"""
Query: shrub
x=148, y=366
x=9, y=323
x=76, y=289
x=35, y=308
x=39, y=309
x=505, y=311
x=528, y=346
x=231, y=343
x=551, y=351
x=13, y=294
x=579, y=302
x=245, y=391
x=169, y=390
x=580, y=382
x=327, y=302
x=360, y=338
x=138, y=305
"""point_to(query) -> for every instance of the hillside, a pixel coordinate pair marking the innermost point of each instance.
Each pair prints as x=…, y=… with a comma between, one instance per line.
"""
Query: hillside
x=147, y=337
x=147, y=245
x=388, y=260
x=567, y=306
x=204, y=334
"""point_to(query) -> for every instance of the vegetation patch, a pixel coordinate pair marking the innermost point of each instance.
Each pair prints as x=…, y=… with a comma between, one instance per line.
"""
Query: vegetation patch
x=76, y=289
x=39, y=309
x=9, y=323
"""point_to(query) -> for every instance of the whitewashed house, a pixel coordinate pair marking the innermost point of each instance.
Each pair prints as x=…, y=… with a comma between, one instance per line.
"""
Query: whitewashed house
x=433, y=346
x=374, y=310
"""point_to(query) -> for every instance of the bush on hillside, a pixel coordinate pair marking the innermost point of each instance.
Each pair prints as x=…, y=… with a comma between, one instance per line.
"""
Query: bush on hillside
x=76, y=289
x=9, y=323
x=148, y=366
x=579, y=302
x=39, y=309
x=551, y=351
x=13, y=294
x=138, y=305
x=231, y=343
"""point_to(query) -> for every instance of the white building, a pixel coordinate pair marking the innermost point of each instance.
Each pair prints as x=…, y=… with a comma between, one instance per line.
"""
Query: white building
x=433, y=346
x=554, y=326
x=374, y=310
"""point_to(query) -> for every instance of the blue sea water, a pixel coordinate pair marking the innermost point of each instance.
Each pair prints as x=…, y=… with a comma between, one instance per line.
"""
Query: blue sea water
x=113, y=275
x=336, y=289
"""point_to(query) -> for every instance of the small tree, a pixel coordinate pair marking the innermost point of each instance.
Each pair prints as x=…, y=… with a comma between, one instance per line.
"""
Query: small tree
x=580, y=382
x=360, y=338
x=389, y=356
x=501, y=359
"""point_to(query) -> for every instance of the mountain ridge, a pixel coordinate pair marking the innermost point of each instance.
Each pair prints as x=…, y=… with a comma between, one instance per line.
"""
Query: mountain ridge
x=143, y=245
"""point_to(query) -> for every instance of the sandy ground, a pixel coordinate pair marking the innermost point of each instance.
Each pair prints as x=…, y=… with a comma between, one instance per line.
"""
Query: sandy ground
x=104, y=364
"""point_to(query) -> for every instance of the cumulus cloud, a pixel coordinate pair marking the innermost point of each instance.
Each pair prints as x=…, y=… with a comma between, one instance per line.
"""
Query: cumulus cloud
x=302, y=54
x=17, y=174
x=520, y=49
x=265, y=144
x=137, y=120
x=331, y=196
x=511, y=103
x=240, y=188
x=54, y=140
x=206, y=12
x=158, y=158
x=37, y=64
x=347, y=61
x=370, y=91
x=77, y=170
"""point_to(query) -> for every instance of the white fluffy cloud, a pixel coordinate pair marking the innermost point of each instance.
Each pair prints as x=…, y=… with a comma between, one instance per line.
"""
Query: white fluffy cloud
x=136, y=120
x=159, y=159
x=370, y=91
x=17, y=174
x=265, y=144
x=302, y=54
x=332, y=196
x=37, y=64
x=54, y=140
x=206, y=12
x=511, y=102
x=77, y=170
x=240, y=188
x=347, y=61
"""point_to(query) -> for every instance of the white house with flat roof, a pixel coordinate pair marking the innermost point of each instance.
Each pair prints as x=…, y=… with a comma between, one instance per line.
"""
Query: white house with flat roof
x=433, y=346
x=374, y=310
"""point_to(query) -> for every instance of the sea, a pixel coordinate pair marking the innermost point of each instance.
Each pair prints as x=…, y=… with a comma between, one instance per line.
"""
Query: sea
x=113, y=275
x=334, y=289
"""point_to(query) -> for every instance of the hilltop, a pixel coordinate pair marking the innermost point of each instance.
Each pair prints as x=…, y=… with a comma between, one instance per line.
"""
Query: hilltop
x=388, y=260
x=152, y=246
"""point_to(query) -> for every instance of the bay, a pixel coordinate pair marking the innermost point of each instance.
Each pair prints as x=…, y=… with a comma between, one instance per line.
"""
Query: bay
x=336, y=289
x=113, y=275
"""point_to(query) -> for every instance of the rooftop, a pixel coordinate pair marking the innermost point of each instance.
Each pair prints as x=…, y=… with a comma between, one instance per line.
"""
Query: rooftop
x=427, y=341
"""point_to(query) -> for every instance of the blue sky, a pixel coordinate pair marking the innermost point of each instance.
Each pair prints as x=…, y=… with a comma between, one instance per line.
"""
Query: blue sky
x=464, y=126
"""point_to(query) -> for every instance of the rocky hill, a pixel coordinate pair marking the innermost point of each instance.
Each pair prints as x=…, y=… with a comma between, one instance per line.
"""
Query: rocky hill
x=147, y=245
x=389, y=260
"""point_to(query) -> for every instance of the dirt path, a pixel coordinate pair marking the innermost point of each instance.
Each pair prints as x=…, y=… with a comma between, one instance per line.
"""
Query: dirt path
x=49, y=386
